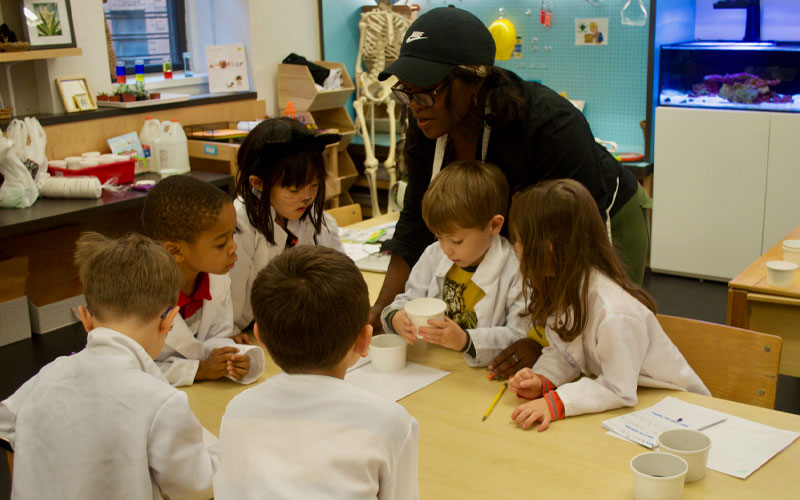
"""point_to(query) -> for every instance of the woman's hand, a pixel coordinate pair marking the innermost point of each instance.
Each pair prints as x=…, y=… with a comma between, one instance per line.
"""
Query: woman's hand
x=521, y=354
x=404, y=327
x=526, y=384
x=445, y=333
x=527, y=414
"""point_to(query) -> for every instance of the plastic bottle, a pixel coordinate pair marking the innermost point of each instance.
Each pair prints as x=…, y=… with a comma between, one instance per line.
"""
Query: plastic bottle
x=172, y=149
x=289, y=110
x=151, y=130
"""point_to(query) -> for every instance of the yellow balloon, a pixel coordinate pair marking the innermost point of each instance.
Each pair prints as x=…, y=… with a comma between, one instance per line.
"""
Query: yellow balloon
x=505, y=37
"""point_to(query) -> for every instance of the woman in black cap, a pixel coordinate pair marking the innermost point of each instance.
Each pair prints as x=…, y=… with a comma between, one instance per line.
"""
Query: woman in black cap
x=465, y=108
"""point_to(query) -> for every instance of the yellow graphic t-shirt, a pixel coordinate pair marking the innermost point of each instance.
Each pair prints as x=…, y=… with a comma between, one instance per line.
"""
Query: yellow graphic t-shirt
x=461, y=294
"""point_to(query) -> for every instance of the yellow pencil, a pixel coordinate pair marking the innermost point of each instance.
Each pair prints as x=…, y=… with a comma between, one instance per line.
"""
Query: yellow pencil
x=494, y=402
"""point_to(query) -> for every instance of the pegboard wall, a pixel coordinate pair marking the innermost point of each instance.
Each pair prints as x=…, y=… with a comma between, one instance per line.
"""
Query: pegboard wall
x=611, y=79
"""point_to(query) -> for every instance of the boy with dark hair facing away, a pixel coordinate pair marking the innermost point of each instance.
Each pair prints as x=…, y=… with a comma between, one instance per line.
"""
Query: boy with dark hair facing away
x=471, y=267
x=104, y=423
x=306, y=433
x=195, y=221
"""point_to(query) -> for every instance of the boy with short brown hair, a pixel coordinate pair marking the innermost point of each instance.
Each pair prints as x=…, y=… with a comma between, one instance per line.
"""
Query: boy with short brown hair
x=195, y=221
x=472, y=268
x=306, y=433
x=104, y=423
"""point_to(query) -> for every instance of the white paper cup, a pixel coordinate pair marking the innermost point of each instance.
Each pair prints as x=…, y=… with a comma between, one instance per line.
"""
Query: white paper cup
x=57, y=163
x=658, y=476
x=791, y=251
x=91, y=154
x=781, y=273
x=73, y=158
x=168, y=171
x=691, y=446
x=419, y=311
x=388, y=353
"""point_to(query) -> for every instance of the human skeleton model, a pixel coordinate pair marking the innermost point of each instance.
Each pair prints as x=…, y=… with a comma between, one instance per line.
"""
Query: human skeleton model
x=382, y=33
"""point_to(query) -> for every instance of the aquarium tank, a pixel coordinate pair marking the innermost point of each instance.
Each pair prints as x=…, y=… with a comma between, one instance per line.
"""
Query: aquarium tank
x=731, y=75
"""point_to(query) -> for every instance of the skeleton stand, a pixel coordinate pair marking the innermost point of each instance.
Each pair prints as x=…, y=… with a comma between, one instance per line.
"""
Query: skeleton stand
x=382, y=33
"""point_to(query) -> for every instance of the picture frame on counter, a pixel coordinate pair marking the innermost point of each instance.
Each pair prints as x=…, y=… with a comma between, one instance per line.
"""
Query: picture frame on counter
x=76, y=94
x=48, y=23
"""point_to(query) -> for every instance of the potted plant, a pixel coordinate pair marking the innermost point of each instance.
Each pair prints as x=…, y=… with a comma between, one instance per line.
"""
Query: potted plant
x=140, y=92
x=125, y=93
x=102, y=96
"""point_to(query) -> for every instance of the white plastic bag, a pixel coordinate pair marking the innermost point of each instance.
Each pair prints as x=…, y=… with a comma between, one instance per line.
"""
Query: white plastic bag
x=29, y=144
x=18, y=189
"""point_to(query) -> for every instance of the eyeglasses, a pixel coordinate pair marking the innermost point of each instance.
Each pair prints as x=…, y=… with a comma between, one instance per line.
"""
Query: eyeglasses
x=422, y=97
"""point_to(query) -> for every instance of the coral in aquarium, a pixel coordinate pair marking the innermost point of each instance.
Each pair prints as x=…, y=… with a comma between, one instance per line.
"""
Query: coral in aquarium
x=739, y=87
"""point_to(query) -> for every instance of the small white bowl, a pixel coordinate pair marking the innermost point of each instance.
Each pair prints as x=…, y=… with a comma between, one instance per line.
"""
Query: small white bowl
x=690, y=445
x=91, y=154
x=387, y=352
x=57, y=163
x=419, y=311
x=781, y=273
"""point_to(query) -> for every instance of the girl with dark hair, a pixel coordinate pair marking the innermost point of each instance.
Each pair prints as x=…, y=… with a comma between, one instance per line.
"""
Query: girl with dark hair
x=597, y=322
x=280, y=189
x=465, y=108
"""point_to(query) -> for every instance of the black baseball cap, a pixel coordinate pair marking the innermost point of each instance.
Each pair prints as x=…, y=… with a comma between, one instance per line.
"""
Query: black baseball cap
x=437, y=42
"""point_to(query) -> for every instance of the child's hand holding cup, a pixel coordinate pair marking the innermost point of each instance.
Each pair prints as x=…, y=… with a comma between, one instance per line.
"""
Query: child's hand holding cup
x=420, y=311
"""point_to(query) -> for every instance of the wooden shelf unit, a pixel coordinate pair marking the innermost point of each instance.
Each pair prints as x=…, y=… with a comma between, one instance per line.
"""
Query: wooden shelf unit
x=32, y=55
x=327, y=110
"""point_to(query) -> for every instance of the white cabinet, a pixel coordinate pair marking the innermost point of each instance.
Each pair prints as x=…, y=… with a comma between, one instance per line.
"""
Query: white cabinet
x=710, y=189
x=782, y=212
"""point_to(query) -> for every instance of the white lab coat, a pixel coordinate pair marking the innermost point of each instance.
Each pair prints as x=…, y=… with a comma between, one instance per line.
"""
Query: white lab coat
x=316, y=437
x=623, y=346
x=180, y=357
x=255, y=252
x=498, y=312
x=104, y=423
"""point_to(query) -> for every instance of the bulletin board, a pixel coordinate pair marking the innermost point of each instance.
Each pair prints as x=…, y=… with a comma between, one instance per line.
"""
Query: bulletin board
x=611, y=78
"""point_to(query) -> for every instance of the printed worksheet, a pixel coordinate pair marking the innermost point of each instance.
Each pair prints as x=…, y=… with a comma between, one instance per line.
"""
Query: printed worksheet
x=644, y=426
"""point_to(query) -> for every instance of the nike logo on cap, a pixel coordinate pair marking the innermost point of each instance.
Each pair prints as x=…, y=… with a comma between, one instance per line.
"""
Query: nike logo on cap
x=417, y=35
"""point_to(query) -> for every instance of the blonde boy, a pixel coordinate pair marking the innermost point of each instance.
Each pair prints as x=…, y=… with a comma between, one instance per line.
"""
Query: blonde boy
x=195, y=221
x=306, y=433
x=471, y=267
x=104, y=423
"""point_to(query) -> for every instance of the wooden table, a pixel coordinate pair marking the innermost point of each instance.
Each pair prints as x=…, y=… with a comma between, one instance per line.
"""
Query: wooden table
x=462, y=457
x=756, y=305
x=47, y=213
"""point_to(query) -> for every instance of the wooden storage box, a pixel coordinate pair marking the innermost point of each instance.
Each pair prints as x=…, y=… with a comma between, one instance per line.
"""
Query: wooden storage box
x=336, y=118
x=339, y=182
x=295, y=84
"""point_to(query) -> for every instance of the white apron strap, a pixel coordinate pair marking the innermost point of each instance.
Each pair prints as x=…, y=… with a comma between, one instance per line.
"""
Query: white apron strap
x=441, y=145
x=608, y=211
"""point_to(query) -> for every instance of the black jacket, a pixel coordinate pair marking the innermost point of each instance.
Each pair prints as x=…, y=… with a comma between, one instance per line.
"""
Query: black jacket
x=553, y=141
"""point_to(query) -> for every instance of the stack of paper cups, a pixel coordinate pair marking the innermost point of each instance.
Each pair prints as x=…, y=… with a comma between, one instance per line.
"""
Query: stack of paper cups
x=791, y=251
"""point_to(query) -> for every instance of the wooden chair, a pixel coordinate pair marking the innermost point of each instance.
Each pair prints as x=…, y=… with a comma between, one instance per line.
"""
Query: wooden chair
x=734, y=363
x=346, y=215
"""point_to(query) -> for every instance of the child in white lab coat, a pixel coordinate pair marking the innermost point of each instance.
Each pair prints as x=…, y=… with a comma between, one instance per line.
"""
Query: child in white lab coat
x=280, y=191
x=599, y=324
x=471, y=267
x=195, y=221
x=104, y=423
x=306, y=433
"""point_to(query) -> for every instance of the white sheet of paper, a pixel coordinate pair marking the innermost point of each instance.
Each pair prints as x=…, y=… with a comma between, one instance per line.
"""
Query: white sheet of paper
x=739, y=447
x=393, y=386
x=644, y=426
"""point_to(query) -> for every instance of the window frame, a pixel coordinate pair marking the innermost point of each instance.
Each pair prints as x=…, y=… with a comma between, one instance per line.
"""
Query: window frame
x=176, y=20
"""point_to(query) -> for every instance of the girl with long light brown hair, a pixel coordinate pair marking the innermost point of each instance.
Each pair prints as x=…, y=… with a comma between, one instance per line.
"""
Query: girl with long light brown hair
x=598, y=323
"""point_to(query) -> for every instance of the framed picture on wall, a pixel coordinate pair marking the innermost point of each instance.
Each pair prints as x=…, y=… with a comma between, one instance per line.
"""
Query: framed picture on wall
x=48, y=23
x=76, y=94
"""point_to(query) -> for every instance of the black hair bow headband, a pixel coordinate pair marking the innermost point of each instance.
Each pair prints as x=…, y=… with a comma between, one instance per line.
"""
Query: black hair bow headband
x=298, y=143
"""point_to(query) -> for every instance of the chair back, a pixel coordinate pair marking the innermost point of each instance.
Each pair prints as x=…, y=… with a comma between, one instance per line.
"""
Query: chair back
x=734, y=363
x=346, y=215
